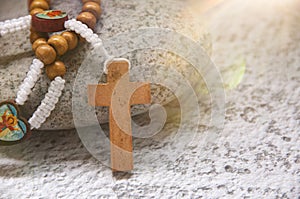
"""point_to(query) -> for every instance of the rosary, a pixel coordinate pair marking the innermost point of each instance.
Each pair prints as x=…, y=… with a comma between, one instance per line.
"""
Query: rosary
x=48, y=50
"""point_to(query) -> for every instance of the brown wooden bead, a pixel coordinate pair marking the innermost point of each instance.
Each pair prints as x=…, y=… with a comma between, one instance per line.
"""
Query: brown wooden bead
x=38, y=42
x=56, y=69
x=87, y=18
x=93, y=8
x=96, y=1
x=59, y=43
x=30, y=1
x=71, y=38
x=46, y=54
x=36, y=35
x=36, y=11
x=81, y=39
x=39, y=4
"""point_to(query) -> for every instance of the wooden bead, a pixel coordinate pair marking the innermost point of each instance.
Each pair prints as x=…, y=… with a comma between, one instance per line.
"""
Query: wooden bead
x=30, y=1
x=87, y=18
x=96, y=1
x=59, y=43
x=81, y=39
x=93, y=8
x=38, y=42
x=56, y=69
x=71, y=38
x=36, y=11
x=39, y=4
x=36, y=35
x=46, y=54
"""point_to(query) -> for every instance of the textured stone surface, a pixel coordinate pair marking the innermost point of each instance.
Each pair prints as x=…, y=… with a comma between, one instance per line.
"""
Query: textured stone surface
x=255, y=156
x=117, y=17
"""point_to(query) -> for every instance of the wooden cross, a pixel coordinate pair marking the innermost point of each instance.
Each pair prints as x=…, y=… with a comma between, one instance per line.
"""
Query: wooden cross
x=119, y=94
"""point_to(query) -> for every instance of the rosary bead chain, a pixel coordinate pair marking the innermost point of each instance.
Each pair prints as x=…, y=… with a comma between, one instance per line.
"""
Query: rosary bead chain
x=31, y=78
x=48, y=104
x=85, y=32
x=47, y=51
x=14, y=25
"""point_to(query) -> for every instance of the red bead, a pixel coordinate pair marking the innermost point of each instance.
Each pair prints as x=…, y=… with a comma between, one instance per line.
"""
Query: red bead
x=49, y=21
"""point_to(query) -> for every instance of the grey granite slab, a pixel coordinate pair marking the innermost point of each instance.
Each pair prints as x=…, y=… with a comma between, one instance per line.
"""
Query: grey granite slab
x=118, y=17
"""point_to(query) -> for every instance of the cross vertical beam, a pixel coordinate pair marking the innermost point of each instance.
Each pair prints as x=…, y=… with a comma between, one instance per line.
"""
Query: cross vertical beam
x=119, y=94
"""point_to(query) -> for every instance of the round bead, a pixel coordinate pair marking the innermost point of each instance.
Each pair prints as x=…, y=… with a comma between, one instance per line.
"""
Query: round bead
x=93, y=8
x=39, y=4
x=46, y=54
x=59, y=43
x=87, y=18
x=71, y=38
x=36, y=11
x=56, y=69
x=36, y=35
x=96, y=1
x=30, y=1
x=81, y=39
x=38, y=42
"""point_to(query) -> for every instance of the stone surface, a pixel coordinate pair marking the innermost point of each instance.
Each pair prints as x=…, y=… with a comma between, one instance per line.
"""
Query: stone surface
x=117, y=17
x=256, y=155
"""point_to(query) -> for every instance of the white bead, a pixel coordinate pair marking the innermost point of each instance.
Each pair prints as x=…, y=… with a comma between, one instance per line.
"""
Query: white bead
x=29, y=82
x=83, y=25
x=26, y=84
x=20, y=100
x=33, y=123
x=5, y=26
x=15, y=25
x=25, y=91
x=12, y=30
x=67, y=24
x=33, y=79
x=59, y=79
x=90, y=32
x=35, y=70
x=47, y=114
x=41, y=119
x=85, y=35
x=18, y=29
x=38, y=63
x=44, y=106
x=24, y=26
x=4, y=32
x=48, y=103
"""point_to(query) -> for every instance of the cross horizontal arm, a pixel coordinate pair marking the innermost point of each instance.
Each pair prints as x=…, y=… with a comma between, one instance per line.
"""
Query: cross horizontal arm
x=142, y=95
